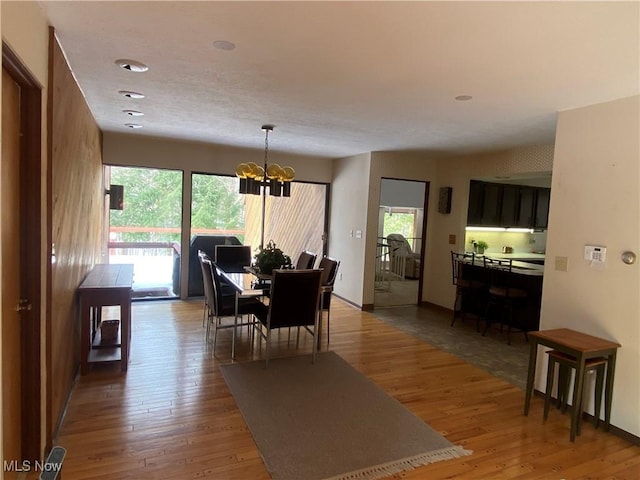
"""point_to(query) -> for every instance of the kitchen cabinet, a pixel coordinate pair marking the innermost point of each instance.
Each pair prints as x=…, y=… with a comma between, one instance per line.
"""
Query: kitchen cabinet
x=474, y=214
x=491, y=204
x=506, y=205
x=543, y=196
x=509, y=212
x=526, y=202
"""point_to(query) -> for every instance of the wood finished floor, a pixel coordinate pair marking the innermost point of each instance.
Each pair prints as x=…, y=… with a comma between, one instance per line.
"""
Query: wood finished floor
x=171, y=415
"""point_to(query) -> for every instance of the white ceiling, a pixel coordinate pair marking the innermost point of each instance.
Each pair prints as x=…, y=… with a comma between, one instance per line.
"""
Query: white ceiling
x=342, y=78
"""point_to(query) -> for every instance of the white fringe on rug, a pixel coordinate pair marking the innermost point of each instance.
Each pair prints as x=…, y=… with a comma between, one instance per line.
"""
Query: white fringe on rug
x=387, y=469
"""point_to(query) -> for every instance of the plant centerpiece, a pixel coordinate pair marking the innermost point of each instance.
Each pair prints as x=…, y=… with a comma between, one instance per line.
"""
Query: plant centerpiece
x=271, y=257
x=481, y=246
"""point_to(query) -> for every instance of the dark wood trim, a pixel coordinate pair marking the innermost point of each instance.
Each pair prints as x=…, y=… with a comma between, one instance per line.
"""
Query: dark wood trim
x=50, y=430
x=367, y=307
x=423, y=243
x=31, y=238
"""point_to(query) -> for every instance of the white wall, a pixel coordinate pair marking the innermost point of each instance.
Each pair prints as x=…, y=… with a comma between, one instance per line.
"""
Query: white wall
x=595, y=200
x=402, y=165
x=349, y=203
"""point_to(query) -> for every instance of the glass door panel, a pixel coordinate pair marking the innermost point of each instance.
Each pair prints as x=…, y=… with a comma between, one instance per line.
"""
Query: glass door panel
x=146, y=232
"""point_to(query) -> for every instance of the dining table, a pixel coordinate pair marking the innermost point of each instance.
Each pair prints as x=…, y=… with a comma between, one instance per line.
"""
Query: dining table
x=582, y=347
x=252, y=283
x=245, y=286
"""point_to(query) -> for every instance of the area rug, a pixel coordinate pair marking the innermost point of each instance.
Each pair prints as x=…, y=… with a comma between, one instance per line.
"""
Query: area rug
x=328, y=421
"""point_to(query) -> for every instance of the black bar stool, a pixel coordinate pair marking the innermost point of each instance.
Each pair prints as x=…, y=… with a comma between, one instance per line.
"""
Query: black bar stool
x=503, y=297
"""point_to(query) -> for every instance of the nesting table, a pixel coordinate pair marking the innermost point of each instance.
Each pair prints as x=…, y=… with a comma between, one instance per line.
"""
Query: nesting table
x=582, y=347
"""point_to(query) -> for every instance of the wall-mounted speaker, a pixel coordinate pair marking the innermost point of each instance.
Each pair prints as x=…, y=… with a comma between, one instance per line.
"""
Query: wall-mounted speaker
x=444, y=200
x=116, y=197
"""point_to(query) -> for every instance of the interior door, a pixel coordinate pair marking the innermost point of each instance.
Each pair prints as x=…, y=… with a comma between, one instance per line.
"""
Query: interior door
x=11, y=281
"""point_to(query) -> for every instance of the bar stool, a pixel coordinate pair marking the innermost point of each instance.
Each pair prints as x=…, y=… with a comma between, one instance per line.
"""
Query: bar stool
x=503, y=296
x=565, y=364
x=468, y=288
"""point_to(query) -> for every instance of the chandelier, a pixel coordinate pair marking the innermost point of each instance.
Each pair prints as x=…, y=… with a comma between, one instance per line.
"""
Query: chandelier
x=255, y=179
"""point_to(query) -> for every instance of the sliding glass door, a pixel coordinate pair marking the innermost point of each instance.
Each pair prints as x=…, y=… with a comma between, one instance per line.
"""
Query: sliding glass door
x=146, y=232
x=294, y=223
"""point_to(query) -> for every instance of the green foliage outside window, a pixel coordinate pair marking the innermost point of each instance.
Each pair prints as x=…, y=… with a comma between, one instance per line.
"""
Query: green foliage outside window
x=399, y=223
x=216, y=203
x=152, y=198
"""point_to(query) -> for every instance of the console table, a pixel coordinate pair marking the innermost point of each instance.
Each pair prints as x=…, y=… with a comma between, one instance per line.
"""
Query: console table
x=105, y=285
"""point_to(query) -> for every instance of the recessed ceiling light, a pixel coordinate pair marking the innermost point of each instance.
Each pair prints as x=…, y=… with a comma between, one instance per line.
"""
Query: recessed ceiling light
x=133, y=113
x=130, y=94
x=133, y=125
x=132, y=65
x=224, y=45
x=463, y=98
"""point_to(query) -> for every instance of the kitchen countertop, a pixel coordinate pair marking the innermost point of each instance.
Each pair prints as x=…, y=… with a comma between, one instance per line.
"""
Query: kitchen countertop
x=517, y=266
x=524, y=256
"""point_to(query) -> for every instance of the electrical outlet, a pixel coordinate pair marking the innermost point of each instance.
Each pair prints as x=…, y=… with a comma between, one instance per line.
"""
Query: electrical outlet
x=452, y=239
x=340, y=276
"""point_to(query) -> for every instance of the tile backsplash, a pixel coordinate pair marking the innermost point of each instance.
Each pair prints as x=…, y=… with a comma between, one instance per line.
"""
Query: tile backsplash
x=521, y=242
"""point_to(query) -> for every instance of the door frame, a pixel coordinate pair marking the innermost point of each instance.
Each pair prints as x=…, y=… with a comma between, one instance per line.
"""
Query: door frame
x=31, y=253
x=423, y=243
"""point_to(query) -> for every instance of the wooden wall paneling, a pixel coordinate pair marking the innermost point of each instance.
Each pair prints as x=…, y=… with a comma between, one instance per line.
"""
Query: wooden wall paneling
x=77, y=209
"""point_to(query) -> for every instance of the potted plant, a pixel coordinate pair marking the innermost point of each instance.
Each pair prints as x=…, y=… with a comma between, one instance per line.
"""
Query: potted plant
x=271, y=257
x=481, y=246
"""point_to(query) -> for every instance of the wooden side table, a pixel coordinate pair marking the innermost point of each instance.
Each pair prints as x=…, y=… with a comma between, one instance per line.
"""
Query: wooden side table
x=582, y=347
x=105, y=285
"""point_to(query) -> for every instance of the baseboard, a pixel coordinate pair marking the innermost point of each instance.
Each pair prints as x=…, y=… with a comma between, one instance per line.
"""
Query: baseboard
x=587, y=417
x=367, y=307
x=435, y=306
x=353, y=304
x=63, y=413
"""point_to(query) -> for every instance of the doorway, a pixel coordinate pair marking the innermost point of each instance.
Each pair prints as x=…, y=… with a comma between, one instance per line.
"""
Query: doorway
x=20, y=249
x=400, y=246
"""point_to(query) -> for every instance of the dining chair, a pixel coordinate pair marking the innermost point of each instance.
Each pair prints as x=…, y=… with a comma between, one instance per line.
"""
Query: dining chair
x=224, y=304
x=207, y=284
x=232, y=258
x=305, y=260
x=329, y=267
x=294, y=302
x=503, y=297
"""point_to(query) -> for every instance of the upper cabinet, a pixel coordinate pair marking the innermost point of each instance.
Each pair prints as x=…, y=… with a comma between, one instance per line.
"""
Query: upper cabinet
x=505, y=205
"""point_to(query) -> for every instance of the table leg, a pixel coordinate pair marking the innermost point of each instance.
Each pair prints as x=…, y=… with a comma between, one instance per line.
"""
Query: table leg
x=608, y=390
x=578, y=387
x=125, y=340
x=85, y=334
x=533, y=355
x=235, y=326
x=319, y=326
